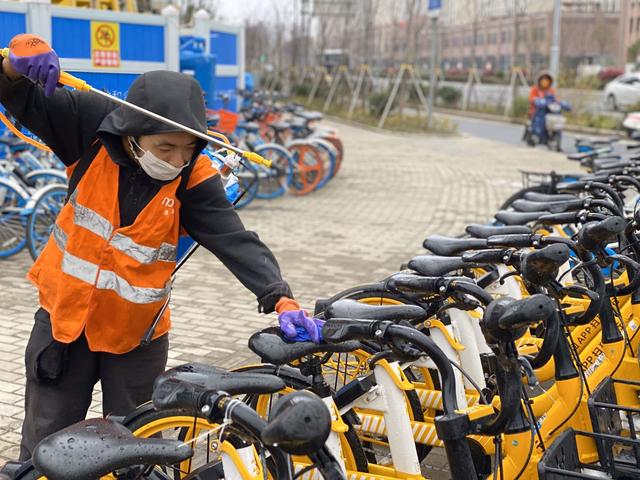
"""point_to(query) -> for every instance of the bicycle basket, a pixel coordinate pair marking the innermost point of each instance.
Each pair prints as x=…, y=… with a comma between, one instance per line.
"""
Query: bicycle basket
x=561, y=460
x=228, y=121
x=539, y=179
x=615, y=428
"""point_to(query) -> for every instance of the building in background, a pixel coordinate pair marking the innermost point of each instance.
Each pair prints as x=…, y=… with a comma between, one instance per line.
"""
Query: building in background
x=491, y=35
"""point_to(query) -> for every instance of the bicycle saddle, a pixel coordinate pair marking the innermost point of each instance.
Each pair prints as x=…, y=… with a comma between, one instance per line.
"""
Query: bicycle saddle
x=517, y=218
x=93, y=448
x=269, y=345
x=249, y=126
x=279, y=126
x=447, y=246
x=553, y=207
x=362, y=311
x=486, y=231
x=213, y=378
x=436, y=265
x=548, y=197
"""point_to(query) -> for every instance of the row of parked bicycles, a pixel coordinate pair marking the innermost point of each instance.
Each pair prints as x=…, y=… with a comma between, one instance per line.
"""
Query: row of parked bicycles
x=514, y=347
x=32, y=191
x=304, y=156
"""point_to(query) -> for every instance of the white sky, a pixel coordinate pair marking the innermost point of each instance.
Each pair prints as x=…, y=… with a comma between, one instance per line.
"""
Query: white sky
x=236, y=11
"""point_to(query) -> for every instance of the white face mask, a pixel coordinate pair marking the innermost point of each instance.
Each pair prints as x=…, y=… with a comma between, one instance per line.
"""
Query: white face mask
x=153, y=166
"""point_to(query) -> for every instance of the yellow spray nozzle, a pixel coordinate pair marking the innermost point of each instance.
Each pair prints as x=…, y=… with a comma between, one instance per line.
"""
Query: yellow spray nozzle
x=4, y=52
x=74, y=82
x=255, y=158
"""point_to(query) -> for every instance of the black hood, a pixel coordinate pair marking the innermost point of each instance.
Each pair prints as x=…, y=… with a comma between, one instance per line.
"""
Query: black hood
x=173, y=95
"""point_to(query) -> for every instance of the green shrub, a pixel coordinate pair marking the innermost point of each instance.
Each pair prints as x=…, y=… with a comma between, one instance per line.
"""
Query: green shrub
x=588, y=82
x=450, y=96
x=301, y=90
x=520, y=107
x=377, y=102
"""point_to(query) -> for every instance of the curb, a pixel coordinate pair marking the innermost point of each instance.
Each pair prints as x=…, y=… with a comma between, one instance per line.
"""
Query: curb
x=387, y=131
x=499, y=118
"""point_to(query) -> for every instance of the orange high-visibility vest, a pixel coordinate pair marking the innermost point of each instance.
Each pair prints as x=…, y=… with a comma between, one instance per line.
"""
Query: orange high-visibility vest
x=106, y=280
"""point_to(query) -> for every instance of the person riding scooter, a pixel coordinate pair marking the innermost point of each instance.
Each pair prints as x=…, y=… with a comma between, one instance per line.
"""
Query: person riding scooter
x=546, y=121
x=543, y=88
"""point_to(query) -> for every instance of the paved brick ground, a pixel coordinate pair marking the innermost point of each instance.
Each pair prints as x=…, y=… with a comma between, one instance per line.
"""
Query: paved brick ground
x=393, y=190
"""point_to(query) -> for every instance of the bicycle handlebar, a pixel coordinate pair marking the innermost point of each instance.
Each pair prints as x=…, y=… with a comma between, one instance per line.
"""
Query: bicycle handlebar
x=506, y=320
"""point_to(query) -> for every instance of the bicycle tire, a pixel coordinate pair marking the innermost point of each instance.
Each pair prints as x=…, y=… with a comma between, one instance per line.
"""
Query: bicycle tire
x=275, y=181
x=145, y=421
x=308, y=168
x=248, y=181
x=337, y=143
x=43, y=214
x=329, y=155
x=13, y=235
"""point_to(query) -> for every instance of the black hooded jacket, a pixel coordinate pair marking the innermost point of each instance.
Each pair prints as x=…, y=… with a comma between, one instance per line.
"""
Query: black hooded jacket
x=74, y=124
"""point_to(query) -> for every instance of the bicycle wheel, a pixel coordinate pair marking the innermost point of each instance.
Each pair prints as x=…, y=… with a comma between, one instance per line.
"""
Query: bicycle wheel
x=308, y=169
x=247, y=176
x=13, y=201
x=44, y=177
x=273, y=182
x=328, y=153
x=147, y=422
x=42, y=218
x=337, y=143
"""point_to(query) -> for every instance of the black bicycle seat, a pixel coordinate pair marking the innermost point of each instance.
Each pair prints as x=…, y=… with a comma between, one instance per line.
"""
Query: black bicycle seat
x=609, y=163
x=548, y=197
x=436, y=265
x=448, y=246
x=213, y=378
x=517, y=218
x=279, y=126
x=486, y=231
x=361, y=311
x=553, y=207
x=272, y=348
x=93, y=448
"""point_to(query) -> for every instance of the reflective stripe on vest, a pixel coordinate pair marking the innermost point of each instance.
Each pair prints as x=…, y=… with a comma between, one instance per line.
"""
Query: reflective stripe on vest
x=108, y=280
x=89, y=219
x=96, y=223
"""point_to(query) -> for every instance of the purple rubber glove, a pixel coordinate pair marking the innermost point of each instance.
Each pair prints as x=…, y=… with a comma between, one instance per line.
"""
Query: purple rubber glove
x=32, y=57
x=299, y=327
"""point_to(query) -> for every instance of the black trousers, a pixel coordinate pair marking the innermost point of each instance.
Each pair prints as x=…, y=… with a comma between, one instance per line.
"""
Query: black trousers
x=61, y=377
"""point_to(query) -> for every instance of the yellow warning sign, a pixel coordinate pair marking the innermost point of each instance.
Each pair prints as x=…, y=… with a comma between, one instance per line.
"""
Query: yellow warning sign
x=105, y=44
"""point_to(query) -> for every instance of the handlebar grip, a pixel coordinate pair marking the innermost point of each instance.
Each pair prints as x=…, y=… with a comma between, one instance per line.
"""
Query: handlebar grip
x=594, y=235
x=541, y=266
x=414, y=283
x=527, y=311
x=496, y=255
x=340, y=330
x=299, y=424
x=515, y=240
x=173, y=393
x=506, y=319
x=559, y=218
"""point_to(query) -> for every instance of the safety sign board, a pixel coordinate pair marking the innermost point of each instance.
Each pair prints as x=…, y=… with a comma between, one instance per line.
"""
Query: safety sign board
x=105, y=44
